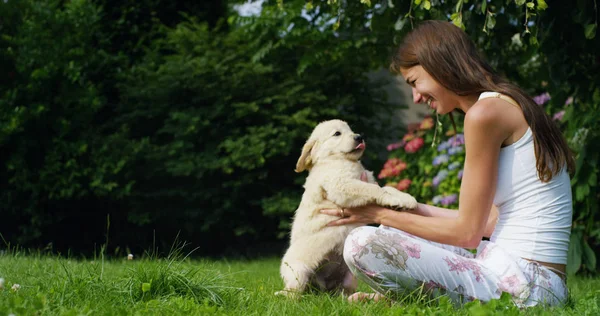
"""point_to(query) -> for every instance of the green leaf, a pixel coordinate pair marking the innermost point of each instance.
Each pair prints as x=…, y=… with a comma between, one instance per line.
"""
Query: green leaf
x=530, y=5
x=458, y=5
x=541, y=5
x=427, y=5
x=490, y=21
x=146, y=287
x=575, y=253
x=520, y=2
x=483, y=6
x=593, y=179
x=457, y=20
x=581, y=158
x=417, y=2
x=231, y=20
x=590, y=31
x=589, y=257
x=336, y=25
x=533, y=41
x=581, y=191
x=596, y=95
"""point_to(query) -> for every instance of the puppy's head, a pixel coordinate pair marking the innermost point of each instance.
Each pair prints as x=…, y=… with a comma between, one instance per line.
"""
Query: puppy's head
x=330, y=140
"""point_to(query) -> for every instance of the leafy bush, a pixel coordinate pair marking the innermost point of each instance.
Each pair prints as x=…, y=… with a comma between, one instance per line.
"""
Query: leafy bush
x=192, y=128
x=221, y=119
x=50, y=110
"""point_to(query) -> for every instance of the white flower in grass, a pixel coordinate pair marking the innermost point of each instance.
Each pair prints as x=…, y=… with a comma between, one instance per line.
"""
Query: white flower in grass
x=16, y=287
x=130, y=257
x=1, y=283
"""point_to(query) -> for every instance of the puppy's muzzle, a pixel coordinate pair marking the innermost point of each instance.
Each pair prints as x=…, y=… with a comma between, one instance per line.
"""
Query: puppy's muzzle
x=360, y=142
x=358, y=138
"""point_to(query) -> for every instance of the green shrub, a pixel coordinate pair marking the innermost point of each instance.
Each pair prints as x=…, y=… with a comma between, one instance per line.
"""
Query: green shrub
x=192, y=128
x=221, y=119
x=50, y=110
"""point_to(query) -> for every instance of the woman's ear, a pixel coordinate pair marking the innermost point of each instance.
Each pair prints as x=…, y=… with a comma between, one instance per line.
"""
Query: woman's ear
x=306, y=161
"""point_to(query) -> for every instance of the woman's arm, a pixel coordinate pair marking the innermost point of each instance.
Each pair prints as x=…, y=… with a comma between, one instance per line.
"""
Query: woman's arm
x=434, y=211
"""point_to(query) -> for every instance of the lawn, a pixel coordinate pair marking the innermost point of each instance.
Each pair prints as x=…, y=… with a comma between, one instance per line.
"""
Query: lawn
x=51, y=285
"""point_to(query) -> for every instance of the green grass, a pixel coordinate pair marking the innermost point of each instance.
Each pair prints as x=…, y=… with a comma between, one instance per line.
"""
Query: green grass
x=176, y=285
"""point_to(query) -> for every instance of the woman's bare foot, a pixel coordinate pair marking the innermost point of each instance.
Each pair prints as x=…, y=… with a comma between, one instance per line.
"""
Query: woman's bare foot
x=365, y=297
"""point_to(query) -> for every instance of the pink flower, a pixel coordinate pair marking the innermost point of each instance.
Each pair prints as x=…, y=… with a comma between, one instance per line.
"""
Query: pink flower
x=414, y=145
x=510, y=284
x=408, y=137
x=558, y=115
x=461, y=264
x=569, y=100
x=392, y=167
x=542, y=98
x=384, y=173
x=399, y=167
x=394, y=146
x=403, y=184
x=413, y=250
x=356, y=247
x=390, y=163
x=426, y=124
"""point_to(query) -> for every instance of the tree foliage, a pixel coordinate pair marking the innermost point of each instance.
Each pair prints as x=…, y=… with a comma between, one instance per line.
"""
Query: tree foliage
x=222, y=119
x=195, y=128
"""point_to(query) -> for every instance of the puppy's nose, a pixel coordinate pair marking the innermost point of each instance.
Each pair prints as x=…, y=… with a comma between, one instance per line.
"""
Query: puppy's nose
x=358, y=138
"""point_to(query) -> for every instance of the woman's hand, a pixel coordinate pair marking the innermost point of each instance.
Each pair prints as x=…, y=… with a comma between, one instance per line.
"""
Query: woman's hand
x=369, y=214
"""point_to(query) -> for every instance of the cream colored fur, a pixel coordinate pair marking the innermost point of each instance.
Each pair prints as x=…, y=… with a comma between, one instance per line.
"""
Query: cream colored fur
x=314, y=257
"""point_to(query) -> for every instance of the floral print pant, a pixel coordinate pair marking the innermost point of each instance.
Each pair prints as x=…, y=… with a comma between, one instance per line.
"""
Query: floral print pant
x=394, y=262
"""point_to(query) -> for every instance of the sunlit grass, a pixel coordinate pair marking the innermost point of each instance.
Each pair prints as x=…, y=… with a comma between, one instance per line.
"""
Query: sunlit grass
x=176, y=285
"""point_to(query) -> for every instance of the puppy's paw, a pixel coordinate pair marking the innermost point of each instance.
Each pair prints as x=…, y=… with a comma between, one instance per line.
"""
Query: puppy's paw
x=398, y=200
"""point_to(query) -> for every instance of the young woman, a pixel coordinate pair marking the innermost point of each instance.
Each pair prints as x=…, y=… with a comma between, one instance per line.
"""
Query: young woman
x=515, y=190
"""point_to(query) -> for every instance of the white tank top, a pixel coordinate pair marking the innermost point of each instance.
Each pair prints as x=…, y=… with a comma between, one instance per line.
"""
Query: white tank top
x=535, y=217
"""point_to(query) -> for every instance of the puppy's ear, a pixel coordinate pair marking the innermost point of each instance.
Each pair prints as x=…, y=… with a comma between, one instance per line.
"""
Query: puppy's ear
x=306, y=161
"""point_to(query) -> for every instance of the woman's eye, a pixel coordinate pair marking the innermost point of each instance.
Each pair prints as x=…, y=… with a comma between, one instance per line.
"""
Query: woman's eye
x=337, y=134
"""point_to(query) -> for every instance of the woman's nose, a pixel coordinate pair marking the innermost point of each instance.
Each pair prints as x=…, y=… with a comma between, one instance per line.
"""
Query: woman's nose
x=417, y=97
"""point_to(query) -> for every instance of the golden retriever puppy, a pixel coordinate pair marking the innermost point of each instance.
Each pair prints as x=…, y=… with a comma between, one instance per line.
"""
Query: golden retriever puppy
x=315, y=256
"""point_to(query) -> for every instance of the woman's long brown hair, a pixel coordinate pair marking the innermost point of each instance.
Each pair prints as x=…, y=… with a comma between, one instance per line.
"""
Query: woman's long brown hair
x=450, y=57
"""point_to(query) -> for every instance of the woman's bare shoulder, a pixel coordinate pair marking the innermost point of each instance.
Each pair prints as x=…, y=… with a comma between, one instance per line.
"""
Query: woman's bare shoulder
x=490, y=118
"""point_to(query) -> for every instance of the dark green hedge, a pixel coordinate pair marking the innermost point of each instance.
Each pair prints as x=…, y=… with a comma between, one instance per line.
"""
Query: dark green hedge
x=165, y=128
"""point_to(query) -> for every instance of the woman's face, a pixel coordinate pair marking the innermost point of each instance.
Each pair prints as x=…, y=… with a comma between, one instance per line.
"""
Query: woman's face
x=426, y=90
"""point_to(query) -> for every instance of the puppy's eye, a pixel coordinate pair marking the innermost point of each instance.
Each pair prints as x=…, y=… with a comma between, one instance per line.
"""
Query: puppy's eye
x=337, y=134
